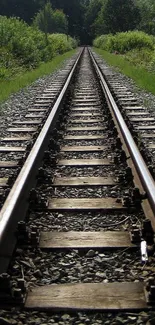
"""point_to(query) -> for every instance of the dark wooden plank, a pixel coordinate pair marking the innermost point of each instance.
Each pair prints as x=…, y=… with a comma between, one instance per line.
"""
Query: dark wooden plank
x=84, y=137
x=45, y=96
x=86, y=121
x=52, y=90
x=27, y=122
x=143, y=119
x=86, y=100
x=135, y=108
x=84, y=181
x=14, y=149
x=107, y=203
x=130, y=99
x=85, y=114
x=81, y=239
x=88, y=296
x=145, y=127
x=85, y=88
x=84, y=162
x=73, y=109
x=151, y=146
x=117, y=85
x=24, y=129
x=3, y=182
x=137, y=113
x=8, y=164
x=123, y=92
x=37, y=110
x=42, y=105
x=35, y=116
x=86, y=104
x=86, y=96
x=82, y=148
x=147, y=135
x=43, y=101
x=124, y=96
x=85, y=128
x=18, y=139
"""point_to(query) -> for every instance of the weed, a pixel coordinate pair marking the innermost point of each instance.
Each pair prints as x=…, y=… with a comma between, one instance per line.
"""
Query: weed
x=143, y=78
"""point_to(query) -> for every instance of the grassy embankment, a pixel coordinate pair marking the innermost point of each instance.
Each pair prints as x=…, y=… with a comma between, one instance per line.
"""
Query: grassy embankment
x=19, y=81
x=133, y=54
x=27, y=54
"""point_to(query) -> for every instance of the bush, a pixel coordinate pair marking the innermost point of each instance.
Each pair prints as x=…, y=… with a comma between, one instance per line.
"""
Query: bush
x=25, y=46
x=22, y=42
x=124, y=42
x=101, y=41
x=61, y=43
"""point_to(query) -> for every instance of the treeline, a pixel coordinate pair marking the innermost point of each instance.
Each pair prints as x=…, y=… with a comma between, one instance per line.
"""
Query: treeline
x=112, y=16
x=86, y=19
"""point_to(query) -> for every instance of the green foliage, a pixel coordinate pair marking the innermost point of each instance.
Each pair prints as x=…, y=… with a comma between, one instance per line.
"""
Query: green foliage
x=9, y=86
x=61, y=43
x=147, y=12
x=137, y=48
x=143, y=78
x=24, y=47
x=91, y=15
x=21, y=41
x=120, y=16
x=60, y=22
x=101, y=41
x=87, y=18
x=140, y=57
x=51, y=21
x=152, y=63
x=124, y=42
x=75, y=12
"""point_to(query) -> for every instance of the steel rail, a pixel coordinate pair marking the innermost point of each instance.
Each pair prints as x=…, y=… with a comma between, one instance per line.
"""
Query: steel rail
x=14, y=206
x=140, y=165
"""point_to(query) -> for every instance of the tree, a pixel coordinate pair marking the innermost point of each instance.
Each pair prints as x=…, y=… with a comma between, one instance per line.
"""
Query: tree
x=147, y=12
x=120, y=16
x=92, y=12
x=24, y=9
x=60, y=23
x=75, y=11
x=51, y=21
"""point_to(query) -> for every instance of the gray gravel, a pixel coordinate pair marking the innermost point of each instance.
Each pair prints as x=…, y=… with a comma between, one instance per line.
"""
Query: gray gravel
x=84, y=221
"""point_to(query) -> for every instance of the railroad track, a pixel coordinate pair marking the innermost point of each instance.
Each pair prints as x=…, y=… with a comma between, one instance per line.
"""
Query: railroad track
x=84, y=198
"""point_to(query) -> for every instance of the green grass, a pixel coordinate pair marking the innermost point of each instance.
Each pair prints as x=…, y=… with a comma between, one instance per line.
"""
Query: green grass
x=8, y=87
x=142, y=78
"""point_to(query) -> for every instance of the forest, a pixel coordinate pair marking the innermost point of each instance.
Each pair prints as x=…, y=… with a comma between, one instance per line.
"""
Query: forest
x=86, y=19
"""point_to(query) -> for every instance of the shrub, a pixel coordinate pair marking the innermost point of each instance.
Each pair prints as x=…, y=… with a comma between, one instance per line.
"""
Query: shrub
x=123, y=42
x=25, y=46
x=101, y=41
x=61, y=43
